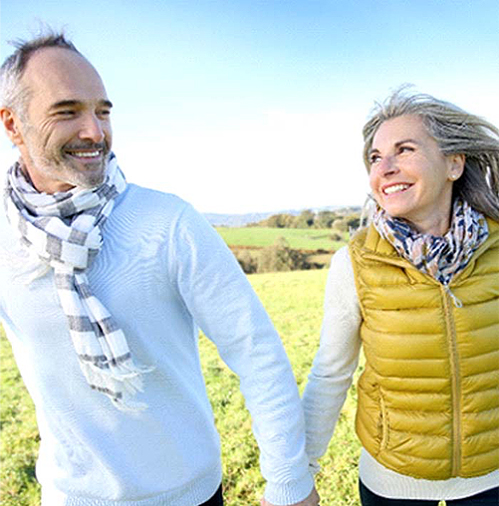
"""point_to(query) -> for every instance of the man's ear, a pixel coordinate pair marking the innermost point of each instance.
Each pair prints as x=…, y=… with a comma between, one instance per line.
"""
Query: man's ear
x=12, y=124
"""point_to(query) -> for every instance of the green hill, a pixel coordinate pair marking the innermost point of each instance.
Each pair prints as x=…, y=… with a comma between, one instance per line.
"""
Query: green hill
x=297, y=238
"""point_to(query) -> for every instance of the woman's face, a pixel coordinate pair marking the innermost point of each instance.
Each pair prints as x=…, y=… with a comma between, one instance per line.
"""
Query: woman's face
x=409, y=176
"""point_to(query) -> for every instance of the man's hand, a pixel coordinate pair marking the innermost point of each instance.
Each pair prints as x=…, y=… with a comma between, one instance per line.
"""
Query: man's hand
x=312, y=500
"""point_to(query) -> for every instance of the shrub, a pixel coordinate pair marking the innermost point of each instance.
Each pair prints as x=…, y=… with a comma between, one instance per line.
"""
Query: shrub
x=340, y=224
x=247, y=261
x=280, y=257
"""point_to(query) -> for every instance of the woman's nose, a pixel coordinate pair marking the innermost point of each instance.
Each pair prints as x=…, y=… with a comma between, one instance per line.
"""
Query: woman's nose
x=387, y=166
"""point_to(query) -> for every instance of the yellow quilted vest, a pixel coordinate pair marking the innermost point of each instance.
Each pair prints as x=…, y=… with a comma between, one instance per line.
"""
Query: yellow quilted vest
x=428, y=398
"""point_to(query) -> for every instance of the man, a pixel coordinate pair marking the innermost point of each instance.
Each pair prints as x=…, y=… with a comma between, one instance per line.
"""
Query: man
x=102, y=286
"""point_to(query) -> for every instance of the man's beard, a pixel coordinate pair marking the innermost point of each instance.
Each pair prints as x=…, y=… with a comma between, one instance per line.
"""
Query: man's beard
x=65, y=168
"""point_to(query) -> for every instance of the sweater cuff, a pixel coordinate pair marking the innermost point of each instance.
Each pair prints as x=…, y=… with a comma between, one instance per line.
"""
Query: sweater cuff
x=314, y=467
x=292, y=492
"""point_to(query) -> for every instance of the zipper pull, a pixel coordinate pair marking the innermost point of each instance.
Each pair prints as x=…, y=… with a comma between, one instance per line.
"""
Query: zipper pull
x=455, y=300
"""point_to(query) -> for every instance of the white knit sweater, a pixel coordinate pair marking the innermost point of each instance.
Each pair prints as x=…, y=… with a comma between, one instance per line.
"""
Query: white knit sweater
x=161, y=272
x=328, y=383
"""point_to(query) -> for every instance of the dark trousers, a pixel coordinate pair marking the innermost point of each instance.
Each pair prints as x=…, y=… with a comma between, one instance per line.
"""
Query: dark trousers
x=487, y=498
x=216, y=500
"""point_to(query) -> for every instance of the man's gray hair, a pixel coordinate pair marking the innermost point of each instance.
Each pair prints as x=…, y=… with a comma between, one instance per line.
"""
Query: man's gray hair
x=13, y=94
x=456, y=132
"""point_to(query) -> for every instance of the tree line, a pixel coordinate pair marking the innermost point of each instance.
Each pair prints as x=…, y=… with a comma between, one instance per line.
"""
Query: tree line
x=280, y=257
x=342, y=220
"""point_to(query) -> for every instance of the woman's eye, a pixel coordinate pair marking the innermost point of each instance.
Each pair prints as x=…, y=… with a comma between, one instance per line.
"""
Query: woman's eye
x=406, y=149
x=373, y=159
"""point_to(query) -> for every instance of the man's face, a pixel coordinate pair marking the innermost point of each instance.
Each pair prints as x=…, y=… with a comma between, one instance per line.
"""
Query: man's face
x=66, y=138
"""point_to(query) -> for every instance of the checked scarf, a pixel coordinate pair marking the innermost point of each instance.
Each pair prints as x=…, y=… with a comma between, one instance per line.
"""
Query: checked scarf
x=440, y=257
x=65, y=231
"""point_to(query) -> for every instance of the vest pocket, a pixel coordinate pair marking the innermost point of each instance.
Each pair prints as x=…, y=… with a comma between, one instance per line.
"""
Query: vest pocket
x=383, y=422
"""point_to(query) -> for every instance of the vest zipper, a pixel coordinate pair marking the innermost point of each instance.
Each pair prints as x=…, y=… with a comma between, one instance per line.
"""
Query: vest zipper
x=455, y=384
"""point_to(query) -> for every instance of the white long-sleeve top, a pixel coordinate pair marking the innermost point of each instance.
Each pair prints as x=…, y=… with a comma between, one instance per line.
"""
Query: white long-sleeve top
x=162, y=272
x=331, y=376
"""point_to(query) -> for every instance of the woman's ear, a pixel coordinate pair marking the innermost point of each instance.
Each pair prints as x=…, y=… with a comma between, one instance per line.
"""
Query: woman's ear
x=456, y=166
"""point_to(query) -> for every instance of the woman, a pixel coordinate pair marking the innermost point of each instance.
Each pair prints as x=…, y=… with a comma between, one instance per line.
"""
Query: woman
x=419, y=289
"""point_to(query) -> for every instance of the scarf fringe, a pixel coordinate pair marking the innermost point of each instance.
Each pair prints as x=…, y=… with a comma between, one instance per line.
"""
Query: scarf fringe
x=129, y=375
x=120, y=385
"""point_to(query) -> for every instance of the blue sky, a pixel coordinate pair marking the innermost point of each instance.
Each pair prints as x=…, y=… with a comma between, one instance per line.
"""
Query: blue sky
x=258, y=105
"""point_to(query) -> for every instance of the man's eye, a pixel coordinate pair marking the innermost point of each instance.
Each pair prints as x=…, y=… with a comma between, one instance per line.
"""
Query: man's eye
x=104, y=113
x=65, y=113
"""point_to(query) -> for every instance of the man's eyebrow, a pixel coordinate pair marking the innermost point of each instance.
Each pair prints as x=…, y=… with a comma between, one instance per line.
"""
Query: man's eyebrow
x=75, y=103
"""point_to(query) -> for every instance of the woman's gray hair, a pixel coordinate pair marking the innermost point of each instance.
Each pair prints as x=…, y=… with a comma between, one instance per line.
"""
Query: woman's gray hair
x=456, y=132
x=13, y=94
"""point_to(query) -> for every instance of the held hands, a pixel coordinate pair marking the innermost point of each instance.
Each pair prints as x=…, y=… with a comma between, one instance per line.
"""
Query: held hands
x=312, y=500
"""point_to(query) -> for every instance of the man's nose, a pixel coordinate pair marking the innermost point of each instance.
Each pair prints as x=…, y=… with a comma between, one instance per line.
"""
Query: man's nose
x=92, y=129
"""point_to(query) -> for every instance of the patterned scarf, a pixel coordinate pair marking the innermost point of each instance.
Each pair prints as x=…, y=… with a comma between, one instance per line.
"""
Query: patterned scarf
x=65, y=231
x=440, y=257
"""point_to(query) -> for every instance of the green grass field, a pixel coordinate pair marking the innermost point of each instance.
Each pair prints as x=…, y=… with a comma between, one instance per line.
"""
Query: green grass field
x=294, y=302
x=298, y=238
x=18, y=436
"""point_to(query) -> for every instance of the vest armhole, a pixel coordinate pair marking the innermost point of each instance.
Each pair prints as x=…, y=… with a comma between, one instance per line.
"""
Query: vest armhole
x=353, y=250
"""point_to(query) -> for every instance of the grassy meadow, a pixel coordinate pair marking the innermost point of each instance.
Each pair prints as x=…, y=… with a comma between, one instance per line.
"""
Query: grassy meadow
x=294, y=302
x=18, y=436
x=308, y=239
